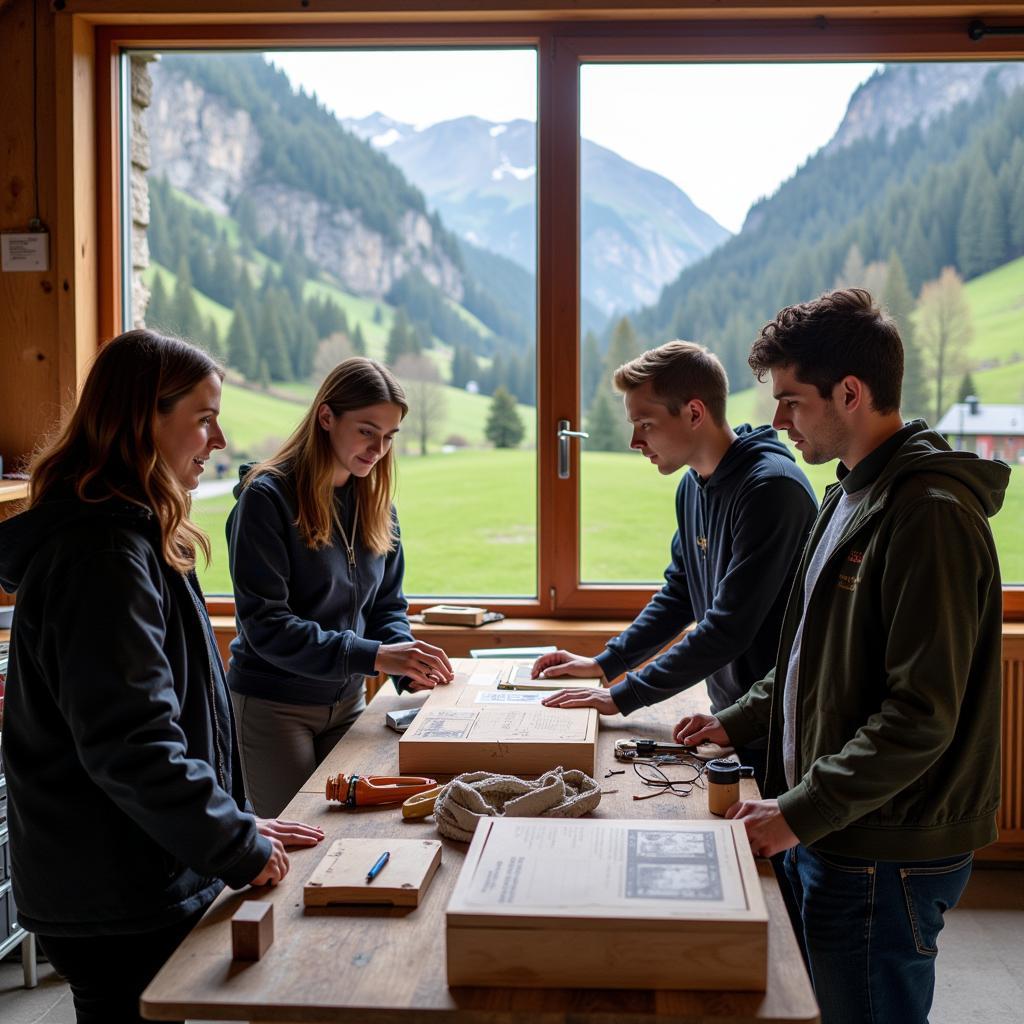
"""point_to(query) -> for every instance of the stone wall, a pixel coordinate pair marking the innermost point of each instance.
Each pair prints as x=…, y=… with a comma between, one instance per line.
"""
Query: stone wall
x=141, y=95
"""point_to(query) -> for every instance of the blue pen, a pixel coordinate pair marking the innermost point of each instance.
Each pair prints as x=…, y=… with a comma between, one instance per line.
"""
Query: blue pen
x=379, y=866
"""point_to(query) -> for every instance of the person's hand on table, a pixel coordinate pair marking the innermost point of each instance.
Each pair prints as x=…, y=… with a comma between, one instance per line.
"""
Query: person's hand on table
x=582, y=697
x=565, y=663
x=276, y=867
x=767, y=830
x=289, y=833
x=695, y=729
x=423, y=664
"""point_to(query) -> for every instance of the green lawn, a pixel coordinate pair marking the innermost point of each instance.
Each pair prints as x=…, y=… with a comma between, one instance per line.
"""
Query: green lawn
x=997, y=310
x=469, y=520
x=1002, y=385
x=253, y=421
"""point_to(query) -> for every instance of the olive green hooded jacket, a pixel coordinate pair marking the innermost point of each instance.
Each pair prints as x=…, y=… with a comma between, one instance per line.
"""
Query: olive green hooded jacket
x=899, y=677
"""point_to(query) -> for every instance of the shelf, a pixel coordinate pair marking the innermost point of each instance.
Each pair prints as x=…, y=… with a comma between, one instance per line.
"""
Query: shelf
x=13, y=490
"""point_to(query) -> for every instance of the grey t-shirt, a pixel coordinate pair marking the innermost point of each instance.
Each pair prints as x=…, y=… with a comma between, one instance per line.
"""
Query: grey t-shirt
x=845, y=509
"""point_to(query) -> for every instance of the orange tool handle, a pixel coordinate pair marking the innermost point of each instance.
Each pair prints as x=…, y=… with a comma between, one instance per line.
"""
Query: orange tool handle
x=369, y=790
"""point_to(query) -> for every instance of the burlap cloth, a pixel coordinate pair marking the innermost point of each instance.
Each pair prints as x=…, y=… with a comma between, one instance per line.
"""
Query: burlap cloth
x=475, y=795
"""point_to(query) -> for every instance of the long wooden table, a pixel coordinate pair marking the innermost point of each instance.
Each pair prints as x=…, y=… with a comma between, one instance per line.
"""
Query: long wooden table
x=387, y=966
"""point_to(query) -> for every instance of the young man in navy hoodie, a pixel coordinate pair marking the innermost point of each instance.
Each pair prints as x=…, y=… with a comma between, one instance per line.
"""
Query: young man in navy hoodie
x=744, y=510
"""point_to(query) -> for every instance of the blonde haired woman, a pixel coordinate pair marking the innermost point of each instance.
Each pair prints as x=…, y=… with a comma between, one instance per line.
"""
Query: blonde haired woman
x=317, y=566
x=126, y=807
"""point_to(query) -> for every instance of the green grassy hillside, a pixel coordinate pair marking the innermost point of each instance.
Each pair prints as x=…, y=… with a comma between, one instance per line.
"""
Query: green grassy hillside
x=997, y=310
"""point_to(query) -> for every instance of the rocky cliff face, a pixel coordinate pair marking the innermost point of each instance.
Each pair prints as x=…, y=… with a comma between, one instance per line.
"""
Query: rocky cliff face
x=900, y=95
x=211, y=151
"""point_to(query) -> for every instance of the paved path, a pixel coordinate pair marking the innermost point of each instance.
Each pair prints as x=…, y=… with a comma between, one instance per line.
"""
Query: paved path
x=213, y=488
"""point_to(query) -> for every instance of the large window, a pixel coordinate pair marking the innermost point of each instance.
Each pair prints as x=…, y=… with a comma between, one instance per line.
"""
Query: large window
x=634, y=184
x=308, y=207
x=905, y=179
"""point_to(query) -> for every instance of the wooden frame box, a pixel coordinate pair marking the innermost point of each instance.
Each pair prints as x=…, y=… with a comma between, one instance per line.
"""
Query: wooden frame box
x=471, y=725
x=603, y=903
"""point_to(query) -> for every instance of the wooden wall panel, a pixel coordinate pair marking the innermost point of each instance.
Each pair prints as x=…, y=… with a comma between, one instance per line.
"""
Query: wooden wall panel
x=30, y=394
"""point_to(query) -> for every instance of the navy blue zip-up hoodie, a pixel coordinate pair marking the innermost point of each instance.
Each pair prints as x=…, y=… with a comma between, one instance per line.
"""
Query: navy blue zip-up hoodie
x=309, y=624
x=740, y=536
x=125, y=803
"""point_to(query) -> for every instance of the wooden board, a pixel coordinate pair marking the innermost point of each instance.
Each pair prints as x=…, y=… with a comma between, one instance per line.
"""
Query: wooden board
x=471, y=725
x=341, y=876
x=386, y=964
x=549, y=903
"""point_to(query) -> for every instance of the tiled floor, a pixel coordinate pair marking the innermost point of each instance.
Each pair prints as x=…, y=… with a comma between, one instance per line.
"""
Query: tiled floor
x=980, y=968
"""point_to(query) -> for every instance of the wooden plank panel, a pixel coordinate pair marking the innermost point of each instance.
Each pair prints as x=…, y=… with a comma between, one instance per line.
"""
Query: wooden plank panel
x=29, y=394
x=106, y=11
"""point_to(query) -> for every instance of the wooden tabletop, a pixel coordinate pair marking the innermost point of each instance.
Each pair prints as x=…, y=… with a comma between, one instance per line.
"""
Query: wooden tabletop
x=387, y=966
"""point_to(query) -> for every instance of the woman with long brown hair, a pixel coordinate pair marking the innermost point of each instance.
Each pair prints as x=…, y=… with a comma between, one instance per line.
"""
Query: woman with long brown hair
x=126, y=806
x=317, y=566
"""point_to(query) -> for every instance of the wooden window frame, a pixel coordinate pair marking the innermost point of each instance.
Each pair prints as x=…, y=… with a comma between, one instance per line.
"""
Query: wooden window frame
x=91, y=34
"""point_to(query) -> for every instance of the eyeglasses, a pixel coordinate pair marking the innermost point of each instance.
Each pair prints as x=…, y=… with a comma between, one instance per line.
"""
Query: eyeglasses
x=651, y=774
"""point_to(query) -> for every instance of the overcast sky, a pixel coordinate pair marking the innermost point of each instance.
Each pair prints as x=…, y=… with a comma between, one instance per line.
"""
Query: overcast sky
x=725, y=134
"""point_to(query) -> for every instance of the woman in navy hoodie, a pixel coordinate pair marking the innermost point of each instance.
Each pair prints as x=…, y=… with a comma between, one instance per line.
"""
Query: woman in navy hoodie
x=127, y=813
x=317, y=565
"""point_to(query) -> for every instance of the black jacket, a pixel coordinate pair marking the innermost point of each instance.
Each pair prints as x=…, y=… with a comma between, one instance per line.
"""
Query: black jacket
x=309, y=624
x=126, y=806
x=740, y=536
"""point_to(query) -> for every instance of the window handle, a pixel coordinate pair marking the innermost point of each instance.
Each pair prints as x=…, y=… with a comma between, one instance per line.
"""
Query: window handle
x=563, y=434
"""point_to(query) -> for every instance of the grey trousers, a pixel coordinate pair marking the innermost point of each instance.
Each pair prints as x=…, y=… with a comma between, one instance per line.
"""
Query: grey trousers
x=280, y=745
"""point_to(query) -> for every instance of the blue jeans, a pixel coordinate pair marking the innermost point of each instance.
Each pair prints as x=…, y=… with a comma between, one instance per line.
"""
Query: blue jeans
x=871, y=930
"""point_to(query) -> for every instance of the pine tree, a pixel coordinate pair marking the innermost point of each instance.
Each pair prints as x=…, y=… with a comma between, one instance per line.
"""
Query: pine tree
x=248, y=220
x=899, y=303
x=981, y=231
x=211, y=337
x=504, y=427
x=919, y=260
x=201, y=266
x=271, y=344
x=293, y=276
x=590, y=370
x=156, y=233
x=968, y=389
x=400, y=338
x=623, y=347
x=184, y=313
x=157, y=311
x=241, y=347
x=358, y=341
x=605, y=425
x=1016, y=208
x=224, y=277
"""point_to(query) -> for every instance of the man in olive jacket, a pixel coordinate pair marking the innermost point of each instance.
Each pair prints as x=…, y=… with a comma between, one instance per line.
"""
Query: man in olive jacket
x=882, y=712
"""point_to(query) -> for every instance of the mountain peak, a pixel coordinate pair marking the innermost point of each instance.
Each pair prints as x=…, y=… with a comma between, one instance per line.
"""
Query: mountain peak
x=900, y=95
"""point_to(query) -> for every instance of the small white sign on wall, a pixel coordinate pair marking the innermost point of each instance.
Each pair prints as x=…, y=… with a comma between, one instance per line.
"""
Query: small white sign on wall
x=27, y=251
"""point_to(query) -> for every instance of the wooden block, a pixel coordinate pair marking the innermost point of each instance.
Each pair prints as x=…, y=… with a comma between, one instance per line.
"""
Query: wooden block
x=546, y=903
x=454, y=615
x=252, y=929
x=472, y=725
x=340, y=877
